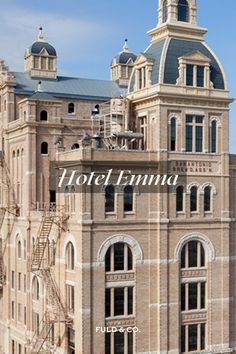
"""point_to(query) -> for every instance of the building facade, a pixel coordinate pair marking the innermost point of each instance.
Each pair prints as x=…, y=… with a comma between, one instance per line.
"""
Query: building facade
x=158, y=265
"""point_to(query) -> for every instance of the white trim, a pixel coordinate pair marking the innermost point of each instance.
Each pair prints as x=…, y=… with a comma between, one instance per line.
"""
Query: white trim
x=190, y=185
x=134, y=245
x=207, y=184
x=163, y=61
x=196, y=236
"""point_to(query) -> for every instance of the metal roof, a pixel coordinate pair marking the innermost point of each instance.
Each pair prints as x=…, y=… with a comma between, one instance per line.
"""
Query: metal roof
x=169, y=53
x=38, y=46
x=68, y=87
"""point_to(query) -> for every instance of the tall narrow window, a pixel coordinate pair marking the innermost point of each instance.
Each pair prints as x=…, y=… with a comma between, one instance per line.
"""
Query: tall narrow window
x=193, y=199
x=213, y=136
x=165, y=11
x=71, y=108
x=193, y=255
x=44, y=148
x=183, y=11
x=128, y=198
x=200, y=76
x=44, y=116
x=19, y=250
x=194, y=133
x=70, y=256
x=173, y=134
x=110, y=199
x=189, y=75
x=35, y=289
x=180, y=198
x=207, y=198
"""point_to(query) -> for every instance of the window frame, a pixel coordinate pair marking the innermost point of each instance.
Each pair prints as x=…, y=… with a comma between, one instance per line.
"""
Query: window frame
x=183, y=17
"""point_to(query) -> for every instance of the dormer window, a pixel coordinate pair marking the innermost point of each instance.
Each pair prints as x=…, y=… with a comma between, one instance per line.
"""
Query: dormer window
x=71, y=108
x=194, y=70
x=183, y=11
x=144, y=66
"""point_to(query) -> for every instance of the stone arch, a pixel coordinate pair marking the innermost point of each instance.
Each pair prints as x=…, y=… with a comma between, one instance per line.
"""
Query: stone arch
x=129, y=240
x=207, y=184
x=69, y=238
x=189, y=186
x=196, y=236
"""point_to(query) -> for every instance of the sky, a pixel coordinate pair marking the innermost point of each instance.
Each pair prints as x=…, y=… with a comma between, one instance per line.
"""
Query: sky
x=88, y=34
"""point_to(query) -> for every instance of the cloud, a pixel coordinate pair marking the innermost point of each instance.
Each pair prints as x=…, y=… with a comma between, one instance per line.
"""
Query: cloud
x=75, y=39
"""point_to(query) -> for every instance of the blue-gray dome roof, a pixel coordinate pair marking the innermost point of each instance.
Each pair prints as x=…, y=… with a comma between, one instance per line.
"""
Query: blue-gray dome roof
x=38, y=46
x=124, y=57
x=169, y=53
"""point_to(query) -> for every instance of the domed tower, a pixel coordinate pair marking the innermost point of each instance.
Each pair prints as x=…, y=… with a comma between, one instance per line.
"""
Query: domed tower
x=41, y=59
x=122, y=65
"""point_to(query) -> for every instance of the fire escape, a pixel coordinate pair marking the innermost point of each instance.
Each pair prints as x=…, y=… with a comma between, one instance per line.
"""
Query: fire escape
x=11, y=208
x=43, y=339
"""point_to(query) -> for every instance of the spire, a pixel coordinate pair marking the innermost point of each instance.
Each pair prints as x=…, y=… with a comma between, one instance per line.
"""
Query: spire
x=40, y=35
x=126, y=46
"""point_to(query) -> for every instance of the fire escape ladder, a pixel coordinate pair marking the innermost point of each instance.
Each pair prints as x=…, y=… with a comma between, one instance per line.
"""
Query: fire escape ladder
x=41, y=243
x=39, y=341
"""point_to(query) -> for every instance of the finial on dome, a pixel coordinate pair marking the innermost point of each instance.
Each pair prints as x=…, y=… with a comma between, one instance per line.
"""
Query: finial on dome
x=40, y=35
x=126, y=46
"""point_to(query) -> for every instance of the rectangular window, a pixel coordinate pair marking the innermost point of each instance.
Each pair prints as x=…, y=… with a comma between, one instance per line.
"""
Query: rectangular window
x=13, y=310
x=25, y=283
x=194, y=133
x=192, y=254
x=107, y=343
x=19, y=281
x=189, y=138
x=13, y=279
x=200, y=76
x=25, y=315
x=203, y=336
x=25, y=250
x=19, y=349
x=189, y=75
x=130, y=343
x=19, y=315
x=130, y=301
x=192, y=338
x=70, y=297
x=119, y=343
x=119, y=300
x=183, y=339
x=203, y=295
x=13, y=347
x=108, y=302
x=119, y=256
x=192, y=296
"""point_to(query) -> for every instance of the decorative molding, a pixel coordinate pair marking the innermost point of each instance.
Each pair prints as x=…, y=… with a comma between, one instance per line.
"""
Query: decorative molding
x=207, y=244
x=129, y=240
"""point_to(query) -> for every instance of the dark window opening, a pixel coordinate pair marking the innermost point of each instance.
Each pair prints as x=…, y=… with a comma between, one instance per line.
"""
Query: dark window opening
x=110, y=199
x=108, y=302
x=119, y=301
x=200, y=76
x=52, y=197
x=173, y=134
x=128, y=198
x=119, y=256
x=193, y=199
x=180, y=199
x=192, y=345
x=213, y=136
x=71, y=108
x=44, y=116
x=189, y=138
x=189, y=75
x=44, y=148
x=75, y=146
x=207, y=199
x=119, y=343
x=130, y=301
x=192, y=254
x=183, y=11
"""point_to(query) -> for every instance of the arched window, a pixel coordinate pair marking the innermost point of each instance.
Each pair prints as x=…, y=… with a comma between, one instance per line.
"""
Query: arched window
x=213, y=136
x=180, y=198
x=44, y=148
x=207, y=198
x=43, y=115
x=70, y=256
x=173, y=134
x=71, y=108
x=183, y=11
x=165, y=11
x=128, y=198
x=119, y=258
x=35, y=289
x=193, y=199
x=119, y=299
x=110, y=199
x=19, y=250
x=75, y=146
x=193, y=296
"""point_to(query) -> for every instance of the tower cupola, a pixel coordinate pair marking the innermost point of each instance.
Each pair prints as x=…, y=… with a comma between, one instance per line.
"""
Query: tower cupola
x=41, y=58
